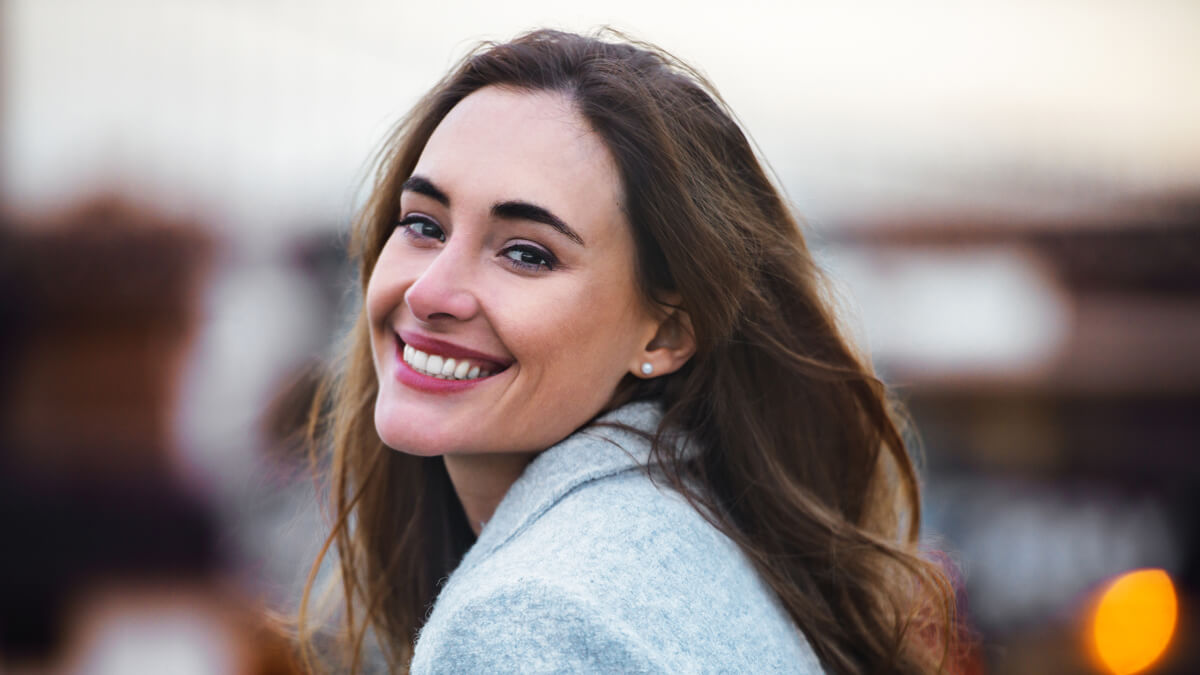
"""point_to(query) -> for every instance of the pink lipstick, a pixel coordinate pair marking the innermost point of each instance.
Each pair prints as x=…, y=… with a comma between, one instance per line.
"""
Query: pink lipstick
x=459, y=368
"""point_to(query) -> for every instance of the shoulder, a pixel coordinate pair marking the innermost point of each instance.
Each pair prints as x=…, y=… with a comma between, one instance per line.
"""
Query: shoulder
x=607, y=526
x=621, y=573
x=529, y=625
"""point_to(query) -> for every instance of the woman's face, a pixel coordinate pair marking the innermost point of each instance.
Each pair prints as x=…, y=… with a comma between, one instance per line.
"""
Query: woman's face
x=511, y=257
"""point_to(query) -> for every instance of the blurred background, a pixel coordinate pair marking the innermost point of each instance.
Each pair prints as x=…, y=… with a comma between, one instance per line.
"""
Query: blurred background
x=1006, y=196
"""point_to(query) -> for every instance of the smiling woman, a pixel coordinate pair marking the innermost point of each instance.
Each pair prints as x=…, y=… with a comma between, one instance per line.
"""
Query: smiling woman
x=594, y=414
x=511, y=255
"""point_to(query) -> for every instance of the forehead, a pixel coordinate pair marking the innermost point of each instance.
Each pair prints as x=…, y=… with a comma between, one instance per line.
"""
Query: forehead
x=501, y=143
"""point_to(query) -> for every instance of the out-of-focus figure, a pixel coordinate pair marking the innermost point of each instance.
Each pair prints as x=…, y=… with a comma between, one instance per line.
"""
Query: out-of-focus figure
x=111, y=564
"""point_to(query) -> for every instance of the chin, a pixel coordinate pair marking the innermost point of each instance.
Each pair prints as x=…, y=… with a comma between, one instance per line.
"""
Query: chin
x=402, y=433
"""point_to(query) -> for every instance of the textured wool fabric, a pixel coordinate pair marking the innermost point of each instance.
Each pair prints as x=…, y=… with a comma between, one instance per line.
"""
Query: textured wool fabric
x=590, y=566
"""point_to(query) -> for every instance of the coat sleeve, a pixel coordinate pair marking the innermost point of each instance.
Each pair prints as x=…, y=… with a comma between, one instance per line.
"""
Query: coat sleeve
x=530, y=626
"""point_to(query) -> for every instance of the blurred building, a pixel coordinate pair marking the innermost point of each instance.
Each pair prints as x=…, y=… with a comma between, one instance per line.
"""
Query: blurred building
x=1053, y=370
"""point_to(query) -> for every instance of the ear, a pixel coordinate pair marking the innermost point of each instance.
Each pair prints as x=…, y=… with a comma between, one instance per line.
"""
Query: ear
x=670, y=345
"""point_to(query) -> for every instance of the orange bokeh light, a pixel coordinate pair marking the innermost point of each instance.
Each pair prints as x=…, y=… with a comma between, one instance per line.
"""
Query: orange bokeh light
x=1134, y=621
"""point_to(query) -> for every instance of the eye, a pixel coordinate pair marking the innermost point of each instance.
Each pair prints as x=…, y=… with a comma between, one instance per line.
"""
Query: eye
x=421, y=227
x=530, y=258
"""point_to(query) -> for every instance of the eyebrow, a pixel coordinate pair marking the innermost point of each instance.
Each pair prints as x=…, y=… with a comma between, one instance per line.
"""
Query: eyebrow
x=516, y=210
x=423, y=185
x=508, y=210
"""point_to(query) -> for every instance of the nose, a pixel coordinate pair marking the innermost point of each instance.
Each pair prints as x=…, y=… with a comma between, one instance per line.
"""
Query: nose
x=445, y=289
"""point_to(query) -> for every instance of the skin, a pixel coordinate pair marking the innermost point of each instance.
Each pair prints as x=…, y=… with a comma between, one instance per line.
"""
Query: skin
x=566, y=316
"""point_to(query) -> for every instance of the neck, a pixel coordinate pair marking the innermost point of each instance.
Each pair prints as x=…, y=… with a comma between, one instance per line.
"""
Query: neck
x=482, y=480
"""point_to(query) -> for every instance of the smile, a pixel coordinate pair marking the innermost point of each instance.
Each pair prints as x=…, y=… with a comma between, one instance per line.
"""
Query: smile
x=443, y=367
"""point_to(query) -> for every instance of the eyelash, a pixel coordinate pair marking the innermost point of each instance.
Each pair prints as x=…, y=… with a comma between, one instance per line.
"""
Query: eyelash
x=547, y=260
x=407, y=222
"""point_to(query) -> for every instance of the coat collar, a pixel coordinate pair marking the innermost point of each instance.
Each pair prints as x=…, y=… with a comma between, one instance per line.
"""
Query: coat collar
x=591, y=453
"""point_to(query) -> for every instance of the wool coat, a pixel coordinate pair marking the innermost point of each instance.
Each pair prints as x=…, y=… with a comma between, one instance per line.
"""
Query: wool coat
x=590, y=565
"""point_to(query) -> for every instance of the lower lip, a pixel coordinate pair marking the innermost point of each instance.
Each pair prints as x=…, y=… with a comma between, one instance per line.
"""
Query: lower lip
x=429, y=383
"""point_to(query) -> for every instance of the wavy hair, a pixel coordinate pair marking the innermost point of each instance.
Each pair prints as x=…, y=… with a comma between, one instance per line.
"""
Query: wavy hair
x=802, y=461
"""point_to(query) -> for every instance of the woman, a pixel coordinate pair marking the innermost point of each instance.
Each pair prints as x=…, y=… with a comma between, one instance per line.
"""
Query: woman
x=595, y=413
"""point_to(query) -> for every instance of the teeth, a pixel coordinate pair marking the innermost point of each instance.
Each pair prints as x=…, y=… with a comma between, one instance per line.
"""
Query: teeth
x=441, y=366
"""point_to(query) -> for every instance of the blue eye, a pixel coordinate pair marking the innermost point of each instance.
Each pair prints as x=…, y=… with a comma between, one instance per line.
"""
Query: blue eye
x=530, y=258
x=422, y=227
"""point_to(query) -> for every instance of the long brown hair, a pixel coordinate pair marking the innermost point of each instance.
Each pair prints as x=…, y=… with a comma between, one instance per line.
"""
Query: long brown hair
x=802, y=464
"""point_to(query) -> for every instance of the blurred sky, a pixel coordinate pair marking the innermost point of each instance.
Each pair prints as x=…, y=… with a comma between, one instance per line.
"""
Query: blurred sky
x=265, y=111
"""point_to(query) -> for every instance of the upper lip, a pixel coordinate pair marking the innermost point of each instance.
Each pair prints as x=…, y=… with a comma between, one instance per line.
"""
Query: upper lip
x=443, y=348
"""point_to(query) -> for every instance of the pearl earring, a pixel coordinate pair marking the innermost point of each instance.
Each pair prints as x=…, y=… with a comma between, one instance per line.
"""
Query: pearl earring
x=647, y=368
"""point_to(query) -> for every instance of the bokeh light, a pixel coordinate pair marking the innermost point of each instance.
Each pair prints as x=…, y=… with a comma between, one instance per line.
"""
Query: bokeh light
x=1134, y=621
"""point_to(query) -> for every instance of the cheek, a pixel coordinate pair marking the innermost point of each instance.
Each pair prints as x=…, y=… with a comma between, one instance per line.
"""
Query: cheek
x=390, y=278
x=573, y=333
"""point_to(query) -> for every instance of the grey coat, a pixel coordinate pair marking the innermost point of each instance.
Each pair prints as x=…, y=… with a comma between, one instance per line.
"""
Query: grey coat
x=589, y=566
